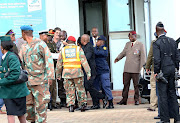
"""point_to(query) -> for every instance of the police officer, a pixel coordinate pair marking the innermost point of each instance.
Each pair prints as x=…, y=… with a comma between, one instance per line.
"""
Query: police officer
x=71, y=58
x=102, y=69
x=166, y=59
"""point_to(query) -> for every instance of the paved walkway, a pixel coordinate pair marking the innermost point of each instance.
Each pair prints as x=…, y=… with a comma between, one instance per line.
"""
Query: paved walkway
x=121, y=114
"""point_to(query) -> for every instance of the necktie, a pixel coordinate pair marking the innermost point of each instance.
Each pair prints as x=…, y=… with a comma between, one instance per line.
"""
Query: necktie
x=132, y=45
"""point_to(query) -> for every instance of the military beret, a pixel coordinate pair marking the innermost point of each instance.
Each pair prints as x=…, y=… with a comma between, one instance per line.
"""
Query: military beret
x=132, y=32
x=159, y=24
x=5, y=38
x=43, y=32
x=71, y=38
x=102, y=37
x=10, y=32
x=26, y=27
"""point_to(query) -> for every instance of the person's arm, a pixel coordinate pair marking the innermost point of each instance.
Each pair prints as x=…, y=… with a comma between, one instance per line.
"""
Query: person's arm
x=84, y=63
x=21, y=56
x=59, y=66
x=49, y=64
x=14, y=67
x=101, y=51
x=157, y=57
x=121, y=55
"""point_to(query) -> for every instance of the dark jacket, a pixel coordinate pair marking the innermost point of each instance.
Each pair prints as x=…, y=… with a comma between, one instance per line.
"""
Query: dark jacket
x=8, y=90
x=89, y=53
x=165, y=54
x=101, y=54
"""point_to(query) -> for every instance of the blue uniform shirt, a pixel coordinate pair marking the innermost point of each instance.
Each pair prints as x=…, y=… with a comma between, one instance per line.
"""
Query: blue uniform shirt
x=0, y=56
x=101, y=54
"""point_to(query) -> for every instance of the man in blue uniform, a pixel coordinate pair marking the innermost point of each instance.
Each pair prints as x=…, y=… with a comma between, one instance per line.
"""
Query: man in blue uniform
x=102, y=69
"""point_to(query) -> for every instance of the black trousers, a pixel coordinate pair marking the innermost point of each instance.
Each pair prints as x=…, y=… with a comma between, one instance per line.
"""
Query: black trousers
x=95, y=94
x=167, y=94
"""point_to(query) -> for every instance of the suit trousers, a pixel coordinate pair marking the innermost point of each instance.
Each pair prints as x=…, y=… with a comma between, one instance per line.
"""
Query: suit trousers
x=95, y=94
x=153, y=97
x=103, y=80
x=167, y=96
x=61, y=90
x=126, y=81
x=72, y=85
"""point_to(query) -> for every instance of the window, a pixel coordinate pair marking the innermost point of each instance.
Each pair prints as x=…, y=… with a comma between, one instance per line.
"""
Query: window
x=120, y=15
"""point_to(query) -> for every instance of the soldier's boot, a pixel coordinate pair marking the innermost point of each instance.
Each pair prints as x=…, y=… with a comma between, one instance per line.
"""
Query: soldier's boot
x=111, y=106
x=50, y=105
x=105, y=101
x=71, y=108
x=84, y=107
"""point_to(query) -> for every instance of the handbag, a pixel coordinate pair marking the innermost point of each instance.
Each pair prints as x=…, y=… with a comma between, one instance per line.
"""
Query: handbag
x=23, y=77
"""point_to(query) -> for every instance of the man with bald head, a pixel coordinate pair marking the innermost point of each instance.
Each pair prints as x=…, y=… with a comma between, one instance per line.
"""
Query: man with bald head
x=89, y=53
x=166, y=59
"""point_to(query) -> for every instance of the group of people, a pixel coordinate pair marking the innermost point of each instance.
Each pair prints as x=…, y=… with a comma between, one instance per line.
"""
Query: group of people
x=80, y=66
x=53, y=57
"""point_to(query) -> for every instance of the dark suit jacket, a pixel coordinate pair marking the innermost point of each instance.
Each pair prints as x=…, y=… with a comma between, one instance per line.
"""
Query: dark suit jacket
x=91, y=41
x=89, y=53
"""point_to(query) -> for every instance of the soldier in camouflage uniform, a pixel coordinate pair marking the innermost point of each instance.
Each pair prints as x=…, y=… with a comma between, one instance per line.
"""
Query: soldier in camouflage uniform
x=70, y=59
x=52, y=47
x=37, y=60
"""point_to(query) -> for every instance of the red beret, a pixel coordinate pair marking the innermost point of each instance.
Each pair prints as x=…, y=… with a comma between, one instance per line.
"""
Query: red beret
x=132, y=32
x=71, y=38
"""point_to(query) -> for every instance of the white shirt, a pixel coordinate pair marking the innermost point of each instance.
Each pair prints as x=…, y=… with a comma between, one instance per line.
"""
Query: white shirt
x=94, y=41
x=133, y=43
x=3, y=57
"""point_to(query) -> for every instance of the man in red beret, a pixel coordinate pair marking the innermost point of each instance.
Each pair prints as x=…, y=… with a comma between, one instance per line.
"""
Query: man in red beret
x=135, y=59
x=70, y=59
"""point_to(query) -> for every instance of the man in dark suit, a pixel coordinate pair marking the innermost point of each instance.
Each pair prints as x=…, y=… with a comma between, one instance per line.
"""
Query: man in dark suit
x=89, y=53
x=94, y=33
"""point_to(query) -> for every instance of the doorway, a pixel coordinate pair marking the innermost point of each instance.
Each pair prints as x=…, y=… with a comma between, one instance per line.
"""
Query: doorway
x=93, y=13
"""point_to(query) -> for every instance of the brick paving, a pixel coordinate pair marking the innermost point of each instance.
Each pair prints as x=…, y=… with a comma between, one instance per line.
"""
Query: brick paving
x=121, y=114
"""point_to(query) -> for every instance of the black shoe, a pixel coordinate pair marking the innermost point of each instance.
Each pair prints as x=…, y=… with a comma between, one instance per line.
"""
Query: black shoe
x=150, y=109
x=105, y=102
x=71, y=108
x=110, y=106
x=83, y=108
x=50, y=106
x=136, y=103
x=157, y=117
x=76, y=106
x=95, y=107
x=122, y=103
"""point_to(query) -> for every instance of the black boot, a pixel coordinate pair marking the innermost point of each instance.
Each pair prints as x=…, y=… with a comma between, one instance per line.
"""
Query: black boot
x=111, y=106
x=83, y=107
x=63, y=102
x=71, y=108
x=105, y=101
x=50, y=105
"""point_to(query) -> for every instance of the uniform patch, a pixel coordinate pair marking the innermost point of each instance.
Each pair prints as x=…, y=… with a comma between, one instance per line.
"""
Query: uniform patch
x=70, y=53
x=104, y=48
x=136, y=52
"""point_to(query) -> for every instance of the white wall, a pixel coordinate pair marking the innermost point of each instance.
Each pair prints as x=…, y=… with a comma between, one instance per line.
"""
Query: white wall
x=63, y=14
x=166, y=11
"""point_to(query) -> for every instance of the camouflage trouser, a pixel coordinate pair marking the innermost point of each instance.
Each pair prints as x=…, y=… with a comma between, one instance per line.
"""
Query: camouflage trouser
x=37, y=102
x=75, y=84
x=53, y=90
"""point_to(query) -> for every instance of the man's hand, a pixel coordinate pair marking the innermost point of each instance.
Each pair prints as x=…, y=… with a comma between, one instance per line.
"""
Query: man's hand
x=65, y=43
x=50, y=81
x=155, y=75
x=89, y=77
x=116, y=60
x=147, y=71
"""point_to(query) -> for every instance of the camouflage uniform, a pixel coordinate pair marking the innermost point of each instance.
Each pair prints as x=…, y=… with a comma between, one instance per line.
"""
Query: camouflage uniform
x=73, y=79
x=53, y=88
x=37, y=60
